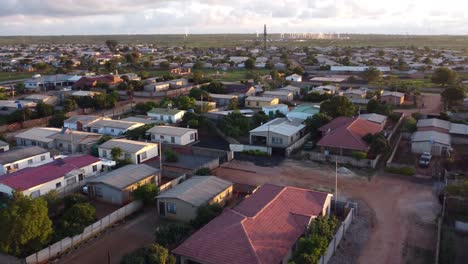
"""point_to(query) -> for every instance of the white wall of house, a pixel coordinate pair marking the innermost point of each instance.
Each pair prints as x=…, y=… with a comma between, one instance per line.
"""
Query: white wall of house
x=32, y=161
x=167, y=118
x=112, y=131
x=5, y=148
x=146, y=153
x=185, y=139
x=29, y=142
x=434, y=148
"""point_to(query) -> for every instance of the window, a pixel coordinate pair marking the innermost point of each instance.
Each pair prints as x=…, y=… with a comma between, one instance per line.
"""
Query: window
x=58, y=185
x=276, y=140
x=153, y=136
x=60, y=145
x=36, y=194
x=71, y=180
x=98, y=191
x=104, y=153
x=257, y=103
x=161, y=137
x=112, y=130
x=143, y=155
x=171, y=208
x=94, y=168
x=15, y=166
x=30, y=161
x=172, y=139
x=192, y=136
x=127, y=156
x=42, y=158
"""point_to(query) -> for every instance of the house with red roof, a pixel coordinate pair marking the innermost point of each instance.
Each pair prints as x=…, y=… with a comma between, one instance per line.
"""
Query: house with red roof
x=344, y=135
x=264, y=228
x=87, y=82
x=37, y=181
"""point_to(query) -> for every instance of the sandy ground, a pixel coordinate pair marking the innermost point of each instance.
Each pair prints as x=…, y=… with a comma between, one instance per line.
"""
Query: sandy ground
x=428, y=104
x=401, y=212
x=117, y=242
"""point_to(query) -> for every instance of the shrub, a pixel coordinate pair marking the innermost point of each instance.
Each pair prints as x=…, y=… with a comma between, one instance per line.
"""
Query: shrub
x=171, y=156
x=151, y=254
x=408, y=171
x=76, y=218
x=359, y=155
x=171, y=234
x=256, y=152
x=205, y=214
x=146, y=193
x=203, y=172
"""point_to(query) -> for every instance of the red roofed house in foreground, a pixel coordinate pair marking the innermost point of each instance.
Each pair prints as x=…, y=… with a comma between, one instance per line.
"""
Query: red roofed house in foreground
x=343, y=135
x=263, y=228
x=37, y=181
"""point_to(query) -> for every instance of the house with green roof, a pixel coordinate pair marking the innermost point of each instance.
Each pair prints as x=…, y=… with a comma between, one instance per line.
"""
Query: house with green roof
x=304, y=111
x=166, y=115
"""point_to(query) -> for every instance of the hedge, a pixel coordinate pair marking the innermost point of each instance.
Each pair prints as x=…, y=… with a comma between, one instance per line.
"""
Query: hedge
x=408, y=171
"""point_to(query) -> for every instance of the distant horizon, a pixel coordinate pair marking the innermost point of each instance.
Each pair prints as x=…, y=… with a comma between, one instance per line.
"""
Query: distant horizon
x=234, y=33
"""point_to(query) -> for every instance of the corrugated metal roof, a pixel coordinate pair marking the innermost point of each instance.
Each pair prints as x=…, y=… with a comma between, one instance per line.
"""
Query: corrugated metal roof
x=115, y=124
x=39, y=134
x=164, y=111
x=130, y=146
x=125, y=176
x=282, y=126
x=169, y=130
x=434, y=122
x=431, y=136
x=197, y=190
x=20, y=153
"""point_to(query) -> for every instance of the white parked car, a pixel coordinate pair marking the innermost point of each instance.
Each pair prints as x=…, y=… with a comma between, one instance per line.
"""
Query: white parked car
x=425, y=159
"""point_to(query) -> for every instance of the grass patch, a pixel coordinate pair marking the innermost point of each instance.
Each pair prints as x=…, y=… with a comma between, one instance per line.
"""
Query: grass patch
x=408, y=171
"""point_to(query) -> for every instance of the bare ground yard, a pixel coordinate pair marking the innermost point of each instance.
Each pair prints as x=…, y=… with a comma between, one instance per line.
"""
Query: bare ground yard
x=399, y=219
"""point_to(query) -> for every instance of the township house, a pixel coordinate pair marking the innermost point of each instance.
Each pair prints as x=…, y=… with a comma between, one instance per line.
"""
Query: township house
x=116, y=186
x=343, y=135
x=304, y=111
x=278, y=133
x=294, y=78
x=263, y=228
x=259, y=102
x=173, y=135
x=166, y=115
x=136, y=151
x=282, y=95
x=293, y=89
x=182, y=202
x=112, y=127
x=37, y=136
x=241, y=90
x=82, y=122
x=223, y=99
x=37, y=181
x=91, y=81
x=392, y=98
x=4, y=146
x=271, y=110
x=21, y=158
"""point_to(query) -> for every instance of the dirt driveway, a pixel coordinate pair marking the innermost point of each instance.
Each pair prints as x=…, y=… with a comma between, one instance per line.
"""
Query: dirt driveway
x=402, y=212
x=117, y=242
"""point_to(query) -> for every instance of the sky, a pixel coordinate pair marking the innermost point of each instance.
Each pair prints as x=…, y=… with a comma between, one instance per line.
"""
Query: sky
x=102, y=17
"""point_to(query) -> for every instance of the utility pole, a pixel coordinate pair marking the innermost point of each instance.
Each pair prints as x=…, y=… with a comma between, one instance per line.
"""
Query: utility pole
x=264, y=37
x=336, y=181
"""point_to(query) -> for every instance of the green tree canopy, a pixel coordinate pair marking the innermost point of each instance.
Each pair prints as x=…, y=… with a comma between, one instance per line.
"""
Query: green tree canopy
x=444, y=76
x=453, y=95
x=372, y=74
x=151, y=254
x=25, y=226
x=338, y=106
x=76, y=218
x=116, y=153
x=249, y=64
x=171, y=234
x=57, y=119
x=234, y=125
x=314, y=122
x=146, y=193
x=205, y=214
x=215, y=87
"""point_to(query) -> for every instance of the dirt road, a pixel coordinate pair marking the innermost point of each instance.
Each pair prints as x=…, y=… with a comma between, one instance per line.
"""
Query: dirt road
x=117, y=242
x=404, y=211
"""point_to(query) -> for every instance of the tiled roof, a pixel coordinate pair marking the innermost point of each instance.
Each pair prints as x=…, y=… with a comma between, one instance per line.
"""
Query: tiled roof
x=261, y=229
x=30, y=177
x=347, y=133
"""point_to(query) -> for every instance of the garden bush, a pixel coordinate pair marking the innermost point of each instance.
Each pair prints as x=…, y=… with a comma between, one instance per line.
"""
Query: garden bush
x=408, y=171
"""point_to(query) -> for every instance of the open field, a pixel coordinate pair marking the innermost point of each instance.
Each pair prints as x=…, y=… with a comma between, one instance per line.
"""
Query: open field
x=232, y=40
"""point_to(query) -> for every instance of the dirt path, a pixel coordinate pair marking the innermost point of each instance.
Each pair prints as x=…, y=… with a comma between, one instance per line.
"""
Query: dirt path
x=399, y=205
x=125, y=238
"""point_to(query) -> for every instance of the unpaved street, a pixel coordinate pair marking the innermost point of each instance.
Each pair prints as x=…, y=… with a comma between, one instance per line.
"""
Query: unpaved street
x=403, y=211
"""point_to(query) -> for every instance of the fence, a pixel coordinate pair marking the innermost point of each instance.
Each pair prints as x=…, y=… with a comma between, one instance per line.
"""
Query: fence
x=333, y=245
x=241, y=148
x=363, y=163
x=296, y=145
x=63, y=245
x=171, y=184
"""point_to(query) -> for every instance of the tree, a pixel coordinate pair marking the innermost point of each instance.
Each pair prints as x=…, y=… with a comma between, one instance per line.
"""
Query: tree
x=25, y=226
x=75, y=219
x=373, y=106
x=112, y=44
x=338, y=106
x=316, y=121
x=109, y=66
x=164, y=65
x=203, y=172
x=198, y=94
x=43, y=110
x=249, y=64
x=269, y=65
x=216, y=87
x=146, y=193
x=57, y=119
x=205, y=214
x=234, y=125
x=234, y=104
x=454, y=94
x=171, y=234
x=409, y=125
x=69, y=105
x=139, y=132
x=444, y=76
x=378, y=143
x=372, y=74
x=198, y=65
x=185, y=102
x=72, y=199
x=151, y=254
x=259, y=119
x=116, y=153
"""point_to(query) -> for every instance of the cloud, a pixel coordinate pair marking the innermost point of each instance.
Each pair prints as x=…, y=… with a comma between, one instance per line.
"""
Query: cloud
x=32, y=17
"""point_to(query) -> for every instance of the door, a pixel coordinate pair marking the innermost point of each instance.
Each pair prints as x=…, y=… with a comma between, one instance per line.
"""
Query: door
x=162, y=209
x=138, y=159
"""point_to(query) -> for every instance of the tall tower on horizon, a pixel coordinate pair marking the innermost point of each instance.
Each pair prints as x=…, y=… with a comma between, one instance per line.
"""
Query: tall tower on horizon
x=264, y=37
